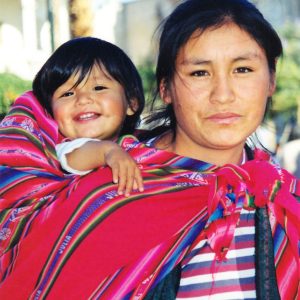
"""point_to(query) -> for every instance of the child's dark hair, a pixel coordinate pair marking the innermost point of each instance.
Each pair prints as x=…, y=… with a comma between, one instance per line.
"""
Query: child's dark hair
x=80, y=55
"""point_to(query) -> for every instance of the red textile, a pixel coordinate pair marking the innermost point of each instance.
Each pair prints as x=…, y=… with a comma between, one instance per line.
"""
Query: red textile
x=73, y=237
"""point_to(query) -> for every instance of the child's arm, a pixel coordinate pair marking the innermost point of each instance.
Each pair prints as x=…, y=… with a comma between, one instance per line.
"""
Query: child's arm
x=95, y=153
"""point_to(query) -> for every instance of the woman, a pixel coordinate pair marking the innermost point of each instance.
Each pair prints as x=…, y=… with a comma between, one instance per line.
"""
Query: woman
x=214, y=219
x=216, y=74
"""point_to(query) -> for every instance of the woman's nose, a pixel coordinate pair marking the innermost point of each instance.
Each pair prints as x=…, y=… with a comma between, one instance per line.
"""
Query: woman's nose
x=222, y=90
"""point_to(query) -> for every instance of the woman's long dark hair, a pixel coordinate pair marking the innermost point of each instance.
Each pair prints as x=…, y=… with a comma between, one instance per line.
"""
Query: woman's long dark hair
x=199, y=15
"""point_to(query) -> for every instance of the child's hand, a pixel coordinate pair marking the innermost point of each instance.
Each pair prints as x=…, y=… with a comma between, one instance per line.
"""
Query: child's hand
x=124, y=170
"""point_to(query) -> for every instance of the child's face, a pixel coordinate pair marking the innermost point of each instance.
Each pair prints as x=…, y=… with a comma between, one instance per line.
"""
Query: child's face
x=96, y=108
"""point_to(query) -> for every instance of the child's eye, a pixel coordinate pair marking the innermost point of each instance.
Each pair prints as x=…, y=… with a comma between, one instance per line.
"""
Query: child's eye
x=200, y=73
x=67, y=94
x=242, y=70
x=99, y=87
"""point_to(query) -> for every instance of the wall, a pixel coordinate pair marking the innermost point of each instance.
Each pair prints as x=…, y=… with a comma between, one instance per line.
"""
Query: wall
x=25, y=40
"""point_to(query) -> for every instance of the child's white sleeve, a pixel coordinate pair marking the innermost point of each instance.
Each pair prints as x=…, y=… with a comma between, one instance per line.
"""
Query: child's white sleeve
x=64, y=148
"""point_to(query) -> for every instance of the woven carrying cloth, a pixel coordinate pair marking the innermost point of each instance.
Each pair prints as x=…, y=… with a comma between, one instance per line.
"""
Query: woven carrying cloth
x=73, y=237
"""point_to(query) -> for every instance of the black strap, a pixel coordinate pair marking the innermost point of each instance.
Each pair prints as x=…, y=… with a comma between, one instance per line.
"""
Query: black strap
x=265, y=276
x=167, y=288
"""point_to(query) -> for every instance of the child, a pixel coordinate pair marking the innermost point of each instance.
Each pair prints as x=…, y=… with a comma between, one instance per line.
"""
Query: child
x=94, y=92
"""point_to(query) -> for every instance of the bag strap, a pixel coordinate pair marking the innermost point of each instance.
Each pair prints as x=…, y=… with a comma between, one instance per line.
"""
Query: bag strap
x=265, y=275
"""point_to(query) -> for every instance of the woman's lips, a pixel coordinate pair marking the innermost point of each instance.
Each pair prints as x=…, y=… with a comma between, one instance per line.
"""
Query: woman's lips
x=224, y=118
x=87, y=116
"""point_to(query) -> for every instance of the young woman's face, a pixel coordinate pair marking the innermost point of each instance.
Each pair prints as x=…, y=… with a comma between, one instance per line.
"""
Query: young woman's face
x=96, y=108
x=219, y=90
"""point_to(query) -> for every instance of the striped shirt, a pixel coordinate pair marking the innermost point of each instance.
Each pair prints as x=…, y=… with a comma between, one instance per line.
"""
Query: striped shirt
x=203, y=277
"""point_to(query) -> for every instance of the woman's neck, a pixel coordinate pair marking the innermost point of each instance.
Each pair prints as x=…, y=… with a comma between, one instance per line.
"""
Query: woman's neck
x=219, y=157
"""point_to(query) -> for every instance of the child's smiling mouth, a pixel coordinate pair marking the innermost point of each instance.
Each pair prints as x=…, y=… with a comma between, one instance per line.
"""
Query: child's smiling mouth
x=87, y=116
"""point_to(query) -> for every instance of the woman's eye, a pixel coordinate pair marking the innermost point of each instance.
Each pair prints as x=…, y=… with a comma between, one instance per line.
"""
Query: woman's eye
x=200, y=73
x=242, y=70
x=99, y=87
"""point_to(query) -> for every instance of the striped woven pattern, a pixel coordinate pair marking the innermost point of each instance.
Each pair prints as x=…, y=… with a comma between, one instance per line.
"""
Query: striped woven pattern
x=73, y=237
x=231, y=278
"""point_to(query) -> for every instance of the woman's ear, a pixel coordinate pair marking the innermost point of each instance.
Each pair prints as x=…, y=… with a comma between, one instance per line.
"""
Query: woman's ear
x=132, y=107
x=272, y=84
x=164, y=92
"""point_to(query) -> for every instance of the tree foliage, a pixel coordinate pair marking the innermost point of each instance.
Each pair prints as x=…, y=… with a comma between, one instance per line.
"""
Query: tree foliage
x=287, y=96
x=147, y=72
x=11, y=86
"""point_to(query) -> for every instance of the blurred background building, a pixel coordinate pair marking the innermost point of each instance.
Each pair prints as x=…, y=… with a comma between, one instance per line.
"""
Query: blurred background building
x=31, y=29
